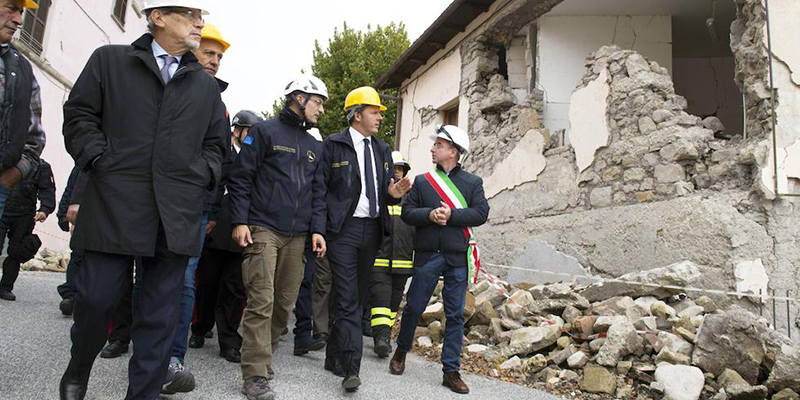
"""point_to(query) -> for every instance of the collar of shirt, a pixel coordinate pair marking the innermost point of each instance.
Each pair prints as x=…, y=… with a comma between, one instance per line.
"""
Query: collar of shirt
x=4, y=49
x=358, y=138
x=159, y=51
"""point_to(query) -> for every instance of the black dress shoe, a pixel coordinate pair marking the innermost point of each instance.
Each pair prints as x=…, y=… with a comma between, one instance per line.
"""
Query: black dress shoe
x=7, y=295
x=351, y=383
x=197, y=342
x=70, y=389
x=114, y=349
x=334, y=366
x=232, y=355
x=66, y=306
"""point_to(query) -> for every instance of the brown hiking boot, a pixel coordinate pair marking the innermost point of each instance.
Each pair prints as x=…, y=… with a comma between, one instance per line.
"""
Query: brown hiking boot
x=454, y=382
x=397, y=365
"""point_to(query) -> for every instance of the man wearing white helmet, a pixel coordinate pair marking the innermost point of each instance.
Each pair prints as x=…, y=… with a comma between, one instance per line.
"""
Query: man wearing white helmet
x=277, y=199
x=148, y=126
x=444, y=206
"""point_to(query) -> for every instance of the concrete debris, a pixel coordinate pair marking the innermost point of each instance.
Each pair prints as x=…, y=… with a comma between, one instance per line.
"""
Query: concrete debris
x=786, y=394
x=49, y=261
x=598, y=379
x=680, y=382
x=680, y=274
x=626, y=336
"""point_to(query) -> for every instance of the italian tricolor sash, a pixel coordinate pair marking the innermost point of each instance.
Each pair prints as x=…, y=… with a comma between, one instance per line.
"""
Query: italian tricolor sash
x=450, y=194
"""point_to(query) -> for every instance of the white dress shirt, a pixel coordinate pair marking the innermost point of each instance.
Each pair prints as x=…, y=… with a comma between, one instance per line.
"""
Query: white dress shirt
x=362, y=209
x=158, y=51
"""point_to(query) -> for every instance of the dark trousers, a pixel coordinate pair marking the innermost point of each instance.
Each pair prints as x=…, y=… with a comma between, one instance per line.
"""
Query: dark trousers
x=352, y=255
x=15, y=227
x=101, y=282
x=454, y=294
x=303, y=308
x=67, y=289
x=122, y=319
x=220, y=296
x=386, y=291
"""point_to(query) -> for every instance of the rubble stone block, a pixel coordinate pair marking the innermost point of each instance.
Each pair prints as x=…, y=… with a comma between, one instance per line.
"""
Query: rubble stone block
x=669, y=173
x=680, y=382
x=601, y=197
x=672, y=358
x=534, y=364
x=437, y=331
x=708, y=305
x=511, y=363
x=598, y=379
x=434, y=312
x=662, y=310
x=734, y=339
x=622, y=340
x=678, y=274
x=786, y=371
x=529, y=340
x=786, y=394
x=577, y=360
x=714, y=124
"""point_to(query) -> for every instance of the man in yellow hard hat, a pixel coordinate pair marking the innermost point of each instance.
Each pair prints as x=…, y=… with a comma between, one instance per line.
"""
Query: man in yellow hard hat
x=21, y=119
x=360, y=183
x=179, y=379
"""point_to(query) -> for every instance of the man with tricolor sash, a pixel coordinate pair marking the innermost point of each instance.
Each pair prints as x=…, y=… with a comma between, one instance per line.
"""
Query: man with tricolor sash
x=444, y=206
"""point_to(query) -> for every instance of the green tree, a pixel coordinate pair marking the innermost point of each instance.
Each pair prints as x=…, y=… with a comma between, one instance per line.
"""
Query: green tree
x=354, y=59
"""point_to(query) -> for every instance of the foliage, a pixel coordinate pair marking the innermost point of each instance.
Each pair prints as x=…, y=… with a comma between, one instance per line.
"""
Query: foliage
x=354, y=59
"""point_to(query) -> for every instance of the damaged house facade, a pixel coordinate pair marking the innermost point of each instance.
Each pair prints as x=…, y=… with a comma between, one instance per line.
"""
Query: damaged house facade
x=616, y=136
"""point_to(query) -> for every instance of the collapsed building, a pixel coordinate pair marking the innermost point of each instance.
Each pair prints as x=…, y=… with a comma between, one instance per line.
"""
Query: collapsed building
x=616, y=136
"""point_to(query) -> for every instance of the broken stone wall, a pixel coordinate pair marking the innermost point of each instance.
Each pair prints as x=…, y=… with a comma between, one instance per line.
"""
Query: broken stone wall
x=565, y=40
x=642, y=184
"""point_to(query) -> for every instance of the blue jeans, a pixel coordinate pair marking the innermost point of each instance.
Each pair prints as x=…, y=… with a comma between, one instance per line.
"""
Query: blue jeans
x=454, y=295
x=181, y=341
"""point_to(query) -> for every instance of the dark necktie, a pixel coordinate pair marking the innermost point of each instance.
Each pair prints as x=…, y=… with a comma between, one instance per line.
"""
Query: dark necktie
x=168, y=61
x=373, y=202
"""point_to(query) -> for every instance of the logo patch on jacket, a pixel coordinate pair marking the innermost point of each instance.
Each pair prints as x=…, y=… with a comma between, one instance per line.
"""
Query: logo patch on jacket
x=386, y=166
x=248, y=140
x=284, y=149
x=311, y=156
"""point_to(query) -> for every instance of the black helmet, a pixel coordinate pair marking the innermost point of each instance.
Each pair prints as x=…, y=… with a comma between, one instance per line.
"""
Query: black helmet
x=246, y=118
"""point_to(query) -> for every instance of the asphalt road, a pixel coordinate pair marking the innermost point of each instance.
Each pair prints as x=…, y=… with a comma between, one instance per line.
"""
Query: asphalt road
x=34, y=350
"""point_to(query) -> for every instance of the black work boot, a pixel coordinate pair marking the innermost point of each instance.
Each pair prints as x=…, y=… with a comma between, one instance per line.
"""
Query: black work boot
x=114, y=349
x=381, y=336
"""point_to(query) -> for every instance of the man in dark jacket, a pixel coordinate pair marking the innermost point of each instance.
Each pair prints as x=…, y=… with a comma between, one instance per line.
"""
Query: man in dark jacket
x=277, y=198
x=220, y=294
x=18, y=221
x=443, y=205
x=148, y=124
x=360, y=186
x=393, y=267
x=21, y=105
x=179, y=379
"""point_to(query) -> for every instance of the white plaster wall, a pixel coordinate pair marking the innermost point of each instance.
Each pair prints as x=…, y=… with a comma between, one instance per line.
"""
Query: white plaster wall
x=785, y=36
x=437, y=87
x=565, y=41
x=74, y=30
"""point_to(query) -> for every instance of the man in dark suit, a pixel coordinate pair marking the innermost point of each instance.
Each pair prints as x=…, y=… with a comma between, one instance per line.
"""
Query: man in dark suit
x=359, y=175
x=148, y=124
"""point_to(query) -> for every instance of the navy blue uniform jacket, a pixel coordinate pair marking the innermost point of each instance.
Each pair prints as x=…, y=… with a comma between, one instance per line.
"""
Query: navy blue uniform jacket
x=276, y=181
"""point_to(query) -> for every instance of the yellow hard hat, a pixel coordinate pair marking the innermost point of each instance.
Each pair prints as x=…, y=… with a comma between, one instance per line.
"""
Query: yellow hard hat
x=30, y=4
x=211, y=32
x=363, y=96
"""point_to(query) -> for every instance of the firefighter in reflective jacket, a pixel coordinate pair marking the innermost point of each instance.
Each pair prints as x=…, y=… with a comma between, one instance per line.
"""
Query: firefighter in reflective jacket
x=393, y=267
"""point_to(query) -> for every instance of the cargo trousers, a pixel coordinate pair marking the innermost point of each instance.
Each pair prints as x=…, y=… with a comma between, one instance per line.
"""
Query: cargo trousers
x=272, y=271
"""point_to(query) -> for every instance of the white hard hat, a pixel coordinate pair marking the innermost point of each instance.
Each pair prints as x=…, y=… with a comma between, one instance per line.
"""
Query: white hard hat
x=455, y=135
x=315, y=133
x=198, y=4
x=308, y=84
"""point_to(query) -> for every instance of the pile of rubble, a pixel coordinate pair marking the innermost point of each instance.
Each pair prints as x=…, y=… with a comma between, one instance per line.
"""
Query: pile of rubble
x=48, y=260
x=623, y=340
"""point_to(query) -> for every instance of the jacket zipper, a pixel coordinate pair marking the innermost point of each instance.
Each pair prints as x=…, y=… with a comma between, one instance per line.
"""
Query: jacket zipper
x=299, y=186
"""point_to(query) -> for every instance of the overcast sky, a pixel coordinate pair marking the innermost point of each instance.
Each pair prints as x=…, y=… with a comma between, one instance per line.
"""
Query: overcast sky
x=271, y=41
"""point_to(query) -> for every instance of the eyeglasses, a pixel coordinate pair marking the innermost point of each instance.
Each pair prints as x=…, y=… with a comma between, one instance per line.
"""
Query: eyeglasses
x=317, y=101
x=191, y=15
